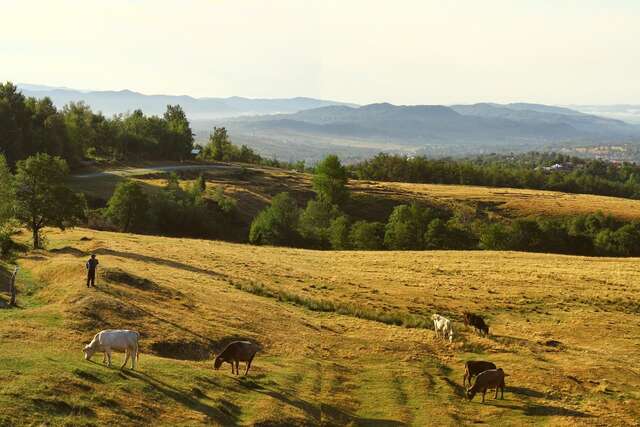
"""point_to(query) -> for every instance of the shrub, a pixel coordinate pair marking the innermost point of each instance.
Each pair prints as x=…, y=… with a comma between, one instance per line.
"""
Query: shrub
x=315, y=221
x=277, y=224
x=128, y=207
x=339, y=233
x=367, y=235
x=495, y=236
x=330, y=181
x=406, y=227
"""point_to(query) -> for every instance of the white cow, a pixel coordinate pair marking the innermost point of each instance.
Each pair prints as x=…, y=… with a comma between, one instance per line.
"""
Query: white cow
x=121, y=340
x=443, y=326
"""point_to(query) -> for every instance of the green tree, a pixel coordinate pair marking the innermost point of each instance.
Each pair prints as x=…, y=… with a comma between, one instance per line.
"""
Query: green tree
x=367, y=235
x=128, y=207
x=339, y=233
x=219, y=146
x=495, y=236
x=437, y=235
x=330, y=181
x=178, y=140
x=277, y=224
x=7, y=201
x=315, y=220
x=7, y=193
x=201, y=183
x=406, y=227
x=42, y=199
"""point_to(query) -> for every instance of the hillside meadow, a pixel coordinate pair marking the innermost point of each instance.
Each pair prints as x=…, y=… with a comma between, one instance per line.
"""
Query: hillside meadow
x=253, y=187
x=345, y=336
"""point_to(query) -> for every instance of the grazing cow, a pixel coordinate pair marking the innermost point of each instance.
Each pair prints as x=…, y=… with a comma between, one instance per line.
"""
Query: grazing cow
x=493, y=378
x=477, y=322
x=473, y=368
x=121, y=340
x=236, y=352
x=443, y=327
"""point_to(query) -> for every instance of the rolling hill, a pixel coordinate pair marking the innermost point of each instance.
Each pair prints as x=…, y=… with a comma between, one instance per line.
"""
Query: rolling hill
x=345, y=336
x=115, y=102
x=424, y=129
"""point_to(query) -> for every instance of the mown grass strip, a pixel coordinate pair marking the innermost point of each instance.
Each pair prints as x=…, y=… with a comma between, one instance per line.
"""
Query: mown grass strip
x=394, y=318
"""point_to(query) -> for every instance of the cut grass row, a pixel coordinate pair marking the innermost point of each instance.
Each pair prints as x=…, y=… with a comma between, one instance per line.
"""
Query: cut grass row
x=395, y=318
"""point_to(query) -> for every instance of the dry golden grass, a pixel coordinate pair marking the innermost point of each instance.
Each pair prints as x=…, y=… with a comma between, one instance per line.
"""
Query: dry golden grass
x=318, y=368
x=508, y=201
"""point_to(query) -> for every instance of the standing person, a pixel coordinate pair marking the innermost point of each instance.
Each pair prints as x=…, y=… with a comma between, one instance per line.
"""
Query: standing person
x=92, y=264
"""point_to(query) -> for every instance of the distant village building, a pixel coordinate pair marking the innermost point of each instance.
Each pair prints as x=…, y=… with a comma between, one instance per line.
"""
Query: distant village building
x=557, y=167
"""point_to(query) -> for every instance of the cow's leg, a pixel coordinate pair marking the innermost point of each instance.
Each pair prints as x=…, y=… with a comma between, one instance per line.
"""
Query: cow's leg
x=126, y=358
x=496, y=396
x=104, y=357
x=484, y=391
x=134, y=357
x=233, y=367
x=237, y=367
x=108, y=352
x=248, y=365
x=464, y=380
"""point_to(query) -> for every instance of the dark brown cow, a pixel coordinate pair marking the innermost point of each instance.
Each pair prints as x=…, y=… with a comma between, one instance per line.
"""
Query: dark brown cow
x=493, y=378
x=236, y=352
x=477, y=322
x=473, y=367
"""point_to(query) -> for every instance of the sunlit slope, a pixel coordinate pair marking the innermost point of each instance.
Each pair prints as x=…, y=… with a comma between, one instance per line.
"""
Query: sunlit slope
x=254, y=187
x=332, y=350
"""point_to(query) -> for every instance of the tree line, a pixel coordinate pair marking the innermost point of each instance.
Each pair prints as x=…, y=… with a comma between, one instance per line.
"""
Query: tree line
x=531, y=170
x=323, y=224
x=173, y=210
x=29, y=126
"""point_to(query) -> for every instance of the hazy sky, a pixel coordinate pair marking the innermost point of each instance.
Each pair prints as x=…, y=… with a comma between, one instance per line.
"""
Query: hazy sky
x=411, y=52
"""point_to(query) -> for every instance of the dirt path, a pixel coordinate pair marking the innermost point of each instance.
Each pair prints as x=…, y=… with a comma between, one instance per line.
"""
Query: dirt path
x=149, y=169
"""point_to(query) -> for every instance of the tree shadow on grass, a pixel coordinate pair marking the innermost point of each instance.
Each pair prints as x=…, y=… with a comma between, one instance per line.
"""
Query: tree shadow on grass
x=160, y=261
x=225, y=413
x=524, y=391
x=533, y=410
x=158, y=318
x=321, y=413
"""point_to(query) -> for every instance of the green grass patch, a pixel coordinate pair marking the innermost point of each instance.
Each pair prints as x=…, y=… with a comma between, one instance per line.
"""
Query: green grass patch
x=394, y=318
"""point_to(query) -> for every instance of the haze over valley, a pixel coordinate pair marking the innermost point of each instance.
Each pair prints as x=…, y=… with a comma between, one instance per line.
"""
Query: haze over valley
x=301, y=128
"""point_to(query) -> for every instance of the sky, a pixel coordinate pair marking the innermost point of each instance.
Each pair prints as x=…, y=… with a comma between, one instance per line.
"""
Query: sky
x=402, y=51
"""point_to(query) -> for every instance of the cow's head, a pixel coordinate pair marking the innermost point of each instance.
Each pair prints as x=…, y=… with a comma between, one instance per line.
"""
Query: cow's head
x=470, y=393
x=217, y=363
x=88, y=352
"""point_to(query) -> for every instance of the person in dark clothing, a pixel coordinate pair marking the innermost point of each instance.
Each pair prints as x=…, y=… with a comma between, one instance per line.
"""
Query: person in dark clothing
x=92, y=264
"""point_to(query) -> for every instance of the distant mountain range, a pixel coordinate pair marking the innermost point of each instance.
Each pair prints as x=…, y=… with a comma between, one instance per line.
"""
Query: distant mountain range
x=114, y=102
x=627, y=112
x=437, y=129
x=308, y=128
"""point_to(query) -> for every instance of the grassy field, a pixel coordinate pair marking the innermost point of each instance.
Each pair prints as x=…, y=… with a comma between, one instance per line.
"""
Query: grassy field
x=342, y=334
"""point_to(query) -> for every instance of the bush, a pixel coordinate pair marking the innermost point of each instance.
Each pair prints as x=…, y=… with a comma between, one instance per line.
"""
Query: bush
x=406, y=227
x=277, y=224
x=495, y=236
x=367, y=235
x=330, y=181
x=315, y=221
x=339, y=233
x=128, y=207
